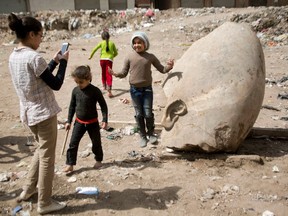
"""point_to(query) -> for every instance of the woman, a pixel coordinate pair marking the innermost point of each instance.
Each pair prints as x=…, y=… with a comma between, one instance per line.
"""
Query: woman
x=34, y=83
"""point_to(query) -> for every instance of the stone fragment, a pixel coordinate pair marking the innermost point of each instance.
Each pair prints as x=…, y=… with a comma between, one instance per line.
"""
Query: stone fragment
x=243, y=158
x=215, y=91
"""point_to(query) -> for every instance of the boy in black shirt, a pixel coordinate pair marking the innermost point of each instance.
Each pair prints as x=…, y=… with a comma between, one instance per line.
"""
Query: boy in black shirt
x=84, y=98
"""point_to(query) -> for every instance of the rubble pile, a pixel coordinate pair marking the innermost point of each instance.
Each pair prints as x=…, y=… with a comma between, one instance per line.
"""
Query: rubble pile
x=269, y=23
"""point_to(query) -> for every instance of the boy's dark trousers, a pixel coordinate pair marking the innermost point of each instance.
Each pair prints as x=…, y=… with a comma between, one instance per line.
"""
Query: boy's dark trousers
x=79, y=130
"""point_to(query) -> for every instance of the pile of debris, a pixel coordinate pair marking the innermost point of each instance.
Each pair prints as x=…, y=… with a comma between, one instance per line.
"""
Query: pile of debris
x=269, y=23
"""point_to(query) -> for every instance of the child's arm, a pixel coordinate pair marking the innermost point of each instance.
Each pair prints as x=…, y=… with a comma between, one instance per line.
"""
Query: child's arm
x=104, y=109
x=71, y=111
x=94, y=50
x=161, y=68
x=124, y=71
x=115, y=51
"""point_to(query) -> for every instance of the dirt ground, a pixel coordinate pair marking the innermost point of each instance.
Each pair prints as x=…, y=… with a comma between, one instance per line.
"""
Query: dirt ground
x=149, y=181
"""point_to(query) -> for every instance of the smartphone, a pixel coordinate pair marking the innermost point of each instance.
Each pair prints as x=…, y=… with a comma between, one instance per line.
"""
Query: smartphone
x=64, y=47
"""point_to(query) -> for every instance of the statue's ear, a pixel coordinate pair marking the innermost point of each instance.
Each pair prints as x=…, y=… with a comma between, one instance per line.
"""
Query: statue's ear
x=172, y=112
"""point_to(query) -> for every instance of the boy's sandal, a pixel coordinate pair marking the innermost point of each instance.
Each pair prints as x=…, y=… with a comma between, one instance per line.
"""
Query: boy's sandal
x=68, y=169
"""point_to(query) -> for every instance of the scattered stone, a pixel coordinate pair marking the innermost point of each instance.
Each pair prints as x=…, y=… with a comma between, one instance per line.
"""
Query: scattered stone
x=22, y=164
x=72, y=179
x=4, y=177
x=214, y=178
x=275, y=169
x=268, y=213
x=230, y=189
x=208, y=194
x=243, y=158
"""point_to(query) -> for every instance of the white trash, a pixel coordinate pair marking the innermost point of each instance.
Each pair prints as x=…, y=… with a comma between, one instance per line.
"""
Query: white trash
x=87, y=190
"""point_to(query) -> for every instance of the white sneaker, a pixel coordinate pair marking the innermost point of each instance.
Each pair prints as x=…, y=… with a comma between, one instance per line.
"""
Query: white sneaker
x=54, y=206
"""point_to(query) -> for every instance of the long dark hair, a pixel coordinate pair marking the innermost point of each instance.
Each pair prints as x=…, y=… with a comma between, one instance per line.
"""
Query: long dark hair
x=105, y=36
x=22, y=26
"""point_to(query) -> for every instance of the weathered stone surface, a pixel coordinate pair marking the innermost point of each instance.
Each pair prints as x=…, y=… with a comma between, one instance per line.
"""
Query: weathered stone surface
x=215, y=91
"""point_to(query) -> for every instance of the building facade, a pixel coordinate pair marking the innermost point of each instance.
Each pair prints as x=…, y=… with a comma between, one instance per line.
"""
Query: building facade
x=166, y=4
x=7, y=6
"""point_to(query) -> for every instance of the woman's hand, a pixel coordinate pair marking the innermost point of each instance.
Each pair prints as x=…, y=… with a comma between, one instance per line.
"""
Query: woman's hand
x=65, y=56
x=59, y=56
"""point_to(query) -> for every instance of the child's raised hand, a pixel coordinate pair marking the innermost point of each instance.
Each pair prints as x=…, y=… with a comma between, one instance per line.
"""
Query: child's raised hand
x=170, y=63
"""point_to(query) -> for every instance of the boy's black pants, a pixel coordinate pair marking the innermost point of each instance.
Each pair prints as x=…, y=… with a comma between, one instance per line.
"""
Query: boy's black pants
x=77, y=134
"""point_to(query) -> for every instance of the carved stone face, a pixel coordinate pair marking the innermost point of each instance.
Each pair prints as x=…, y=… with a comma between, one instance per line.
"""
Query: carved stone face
x=215, y=91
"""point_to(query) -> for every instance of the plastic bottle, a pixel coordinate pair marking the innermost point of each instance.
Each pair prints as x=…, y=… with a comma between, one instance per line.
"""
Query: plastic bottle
x=88, y=190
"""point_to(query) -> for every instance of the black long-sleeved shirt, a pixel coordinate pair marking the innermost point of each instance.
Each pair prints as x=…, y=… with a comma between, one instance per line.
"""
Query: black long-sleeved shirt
x=54, y=82
x=83, y=103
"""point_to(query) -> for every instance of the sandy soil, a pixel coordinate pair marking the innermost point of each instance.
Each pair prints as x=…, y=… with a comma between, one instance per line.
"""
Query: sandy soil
x=149, y=181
